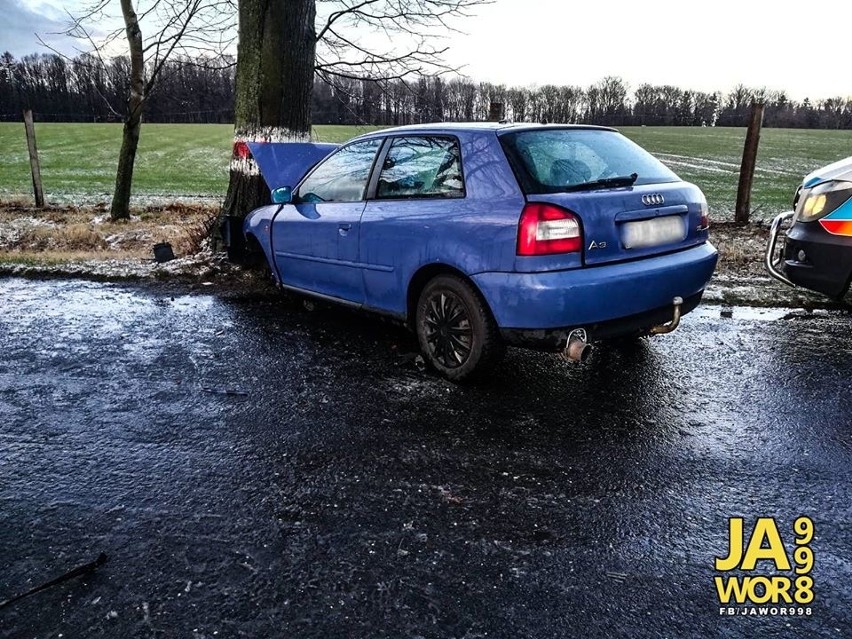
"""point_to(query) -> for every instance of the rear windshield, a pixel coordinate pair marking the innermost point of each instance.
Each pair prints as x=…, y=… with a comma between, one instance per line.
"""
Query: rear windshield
x=554, y=160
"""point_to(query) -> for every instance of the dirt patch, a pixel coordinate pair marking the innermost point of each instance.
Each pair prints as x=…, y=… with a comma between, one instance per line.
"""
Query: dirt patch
x=741, y=248
x=61, y=232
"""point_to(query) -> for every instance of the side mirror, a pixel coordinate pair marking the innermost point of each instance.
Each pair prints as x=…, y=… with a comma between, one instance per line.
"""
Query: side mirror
x=283, y=195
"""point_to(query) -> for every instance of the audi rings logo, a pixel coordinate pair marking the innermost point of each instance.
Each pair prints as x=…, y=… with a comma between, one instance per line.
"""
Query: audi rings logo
x=653, y=200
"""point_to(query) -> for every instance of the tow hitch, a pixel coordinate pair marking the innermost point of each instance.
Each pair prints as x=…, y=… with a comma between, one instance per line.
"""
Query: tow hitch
x=662, y=329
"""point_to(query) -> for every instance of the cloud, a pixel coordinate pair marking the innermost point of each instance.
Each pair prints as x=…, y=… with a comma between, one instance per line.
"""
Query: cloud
x=21, y=21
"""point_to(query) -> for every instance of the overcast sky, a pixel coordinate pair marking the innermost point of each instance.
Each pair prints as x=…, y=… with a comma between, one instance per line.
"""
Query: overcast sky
x=800, y=47
x=20, y=20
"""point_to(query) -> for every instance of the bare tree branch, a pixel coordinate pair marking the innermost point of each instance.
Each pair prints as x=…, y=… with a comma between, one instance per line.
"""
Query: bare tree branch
x=387, y=38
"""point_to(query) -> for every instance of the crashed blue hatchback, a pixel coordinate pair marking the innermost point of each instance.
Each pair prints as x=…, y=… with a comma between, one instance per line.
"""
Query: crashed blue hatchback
x=483, y=235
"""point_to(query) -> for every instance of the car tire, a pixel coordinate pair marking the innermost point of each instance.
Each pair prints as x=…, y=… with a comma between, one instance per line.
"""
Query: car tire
x=456, y=330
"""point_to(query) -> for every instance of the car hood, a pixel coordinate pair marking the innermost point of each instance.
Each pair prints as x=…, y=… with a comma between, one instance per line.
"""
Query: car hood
x=841, y=170
x=286, y=163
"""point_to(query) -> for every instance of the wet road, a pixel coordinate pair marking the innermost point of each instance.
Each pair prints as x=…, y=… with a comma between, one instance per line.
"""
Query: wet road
x=254, y=469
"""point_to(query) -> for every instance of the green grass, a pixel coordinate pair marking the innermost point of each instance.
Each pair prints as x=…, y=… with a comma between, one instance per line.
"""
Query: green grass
x=185, y=160
x=78, y=161
x=710, y=157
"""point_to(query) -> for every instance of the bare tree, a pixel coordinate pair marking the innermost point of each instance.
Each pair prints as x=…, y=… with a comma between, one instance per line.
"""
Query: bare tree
x=175, y=27
x=612, y=98
x=283, y=44
x=519, y=103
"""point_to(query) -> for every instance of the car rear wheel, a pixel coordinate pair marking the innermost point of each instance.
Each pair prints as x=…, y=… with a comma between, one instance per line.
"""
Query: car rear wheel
x=457, y=333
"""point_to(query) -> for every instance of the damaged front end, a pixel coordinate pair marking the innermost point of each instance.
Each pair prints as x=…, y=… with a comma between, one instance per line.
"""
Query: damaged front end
x=282, y=165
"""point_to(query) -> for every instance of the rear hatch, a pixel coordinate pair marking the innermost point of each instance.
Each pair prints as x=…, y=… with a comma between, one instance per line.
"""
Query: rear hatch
x=634, y=222
x=628, y=204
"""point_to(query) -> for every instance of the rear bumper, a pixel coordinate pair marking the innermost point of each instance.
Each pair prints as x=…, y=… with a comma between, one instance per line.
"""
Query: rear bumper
x=596, y=295
x=639, y=324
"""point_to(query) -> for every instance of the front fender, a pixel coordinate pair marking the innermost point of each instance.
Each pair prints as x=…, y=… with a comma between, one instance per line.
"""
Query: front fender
x=258, y=224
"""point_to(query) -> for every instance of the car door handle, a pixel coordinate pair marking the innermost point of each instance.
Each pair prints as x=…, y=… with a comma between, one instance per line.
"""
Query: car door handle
x=344, y=229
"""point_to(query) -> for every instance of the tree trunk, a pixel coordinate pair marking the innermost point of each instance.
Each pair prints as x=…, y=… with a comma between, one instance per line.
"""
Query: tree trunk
x=275, y=80
x=120, y=209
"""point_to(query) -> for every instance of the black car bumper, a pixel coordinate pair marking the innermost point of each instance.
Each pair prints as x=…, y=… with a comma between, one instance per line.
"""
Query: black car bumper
x=814, y=259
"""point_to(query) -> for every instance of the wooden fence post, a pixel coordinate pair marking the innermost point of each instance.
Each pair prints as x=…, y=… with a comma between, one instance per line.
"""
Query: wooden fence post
x=34, y=165
x=752, y=141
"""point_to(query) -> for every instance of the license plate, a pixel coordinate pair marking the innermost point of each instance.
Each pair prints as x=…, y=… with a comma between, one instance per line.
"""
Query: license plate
x=655, y=232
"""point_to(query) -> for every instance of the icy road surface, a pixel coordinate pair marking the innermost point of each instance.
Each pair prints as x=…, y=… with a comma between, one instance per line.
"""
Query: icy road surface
x=254, y=469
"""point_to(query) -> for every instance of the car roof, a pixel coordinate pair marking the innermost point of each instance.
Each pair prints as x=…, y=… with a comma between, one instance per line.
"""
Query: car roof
x=497, y=127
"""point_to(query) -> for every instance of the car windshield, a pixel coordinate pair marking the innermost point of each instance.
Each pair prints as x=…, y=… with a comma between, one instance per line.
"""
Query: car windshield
x=560, y=160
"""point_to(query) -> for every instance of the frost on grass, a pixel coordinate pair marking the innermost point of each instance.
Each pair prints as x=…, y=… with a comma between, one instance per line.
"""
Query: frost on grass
x=201, y=266
x=736, y=290
x=80, y=241
x=70, y=197
x=729, y=166
x=83, y=242
x=14, y=230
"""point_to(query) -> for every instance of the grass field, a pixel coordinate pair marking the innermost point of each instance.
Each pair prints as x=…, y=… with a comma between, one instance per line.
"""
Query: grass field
x=190, y=161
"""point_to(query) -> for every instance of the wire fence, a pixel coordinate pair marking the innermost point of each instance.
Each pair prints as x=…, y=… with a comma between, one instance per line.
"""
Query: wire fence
x=209, y=116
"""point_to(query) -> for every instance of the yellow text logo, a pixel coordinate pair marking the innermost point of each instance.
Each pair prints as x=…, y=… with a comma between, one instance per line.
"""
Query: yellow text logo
x=761, y=551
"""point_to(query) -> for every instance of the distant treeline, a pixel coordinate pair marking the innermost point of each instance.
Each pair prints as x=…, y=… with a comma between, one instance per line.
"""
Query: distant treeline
x=86, y=89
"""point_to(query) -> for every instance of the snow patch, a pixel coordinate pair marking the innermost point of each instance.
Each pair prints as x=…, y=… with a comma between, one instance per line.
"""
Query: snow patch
x=12, y=231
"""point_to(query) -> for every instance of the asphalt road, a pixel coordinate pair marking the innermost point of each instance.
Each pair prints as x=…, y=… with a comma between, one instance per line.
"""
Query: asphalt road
x=254, y=469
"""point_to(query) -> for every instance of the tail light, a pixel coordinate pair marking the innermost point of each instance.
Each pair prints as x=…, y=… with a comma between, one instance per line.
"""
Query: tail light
x=704, y=216
x=546, y=229
x=241, y=150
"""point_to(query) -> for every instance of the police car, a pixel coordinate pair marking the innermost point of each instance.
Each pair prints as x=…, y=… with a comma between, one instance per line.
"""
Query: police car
x=816, y=252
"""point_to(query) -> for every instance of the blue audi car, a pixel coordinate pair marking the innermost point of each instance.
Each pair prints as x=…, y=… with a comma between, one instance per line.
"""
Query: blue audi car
x=483, y=235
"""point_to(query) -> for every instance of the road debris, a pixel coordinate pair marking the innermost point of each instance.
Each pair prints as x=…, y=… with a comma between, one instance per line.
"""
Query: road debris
x=80, y=571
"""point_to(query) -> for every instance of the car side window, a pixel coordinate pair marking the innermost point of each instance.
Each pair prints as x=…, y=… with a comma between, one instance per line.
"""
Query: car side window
x=343, y=176
x=421, y=167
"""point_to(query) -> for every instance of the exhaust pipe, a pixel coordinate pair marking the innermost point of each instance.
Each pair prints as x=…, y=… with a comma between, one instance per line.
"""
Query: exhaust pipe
x=662, y=329
x=578, y=349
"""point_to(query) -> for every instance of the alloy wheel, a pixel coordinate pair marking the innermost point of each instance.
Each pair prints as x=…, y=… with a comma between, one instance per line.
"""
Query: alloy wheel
x=448, y=331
